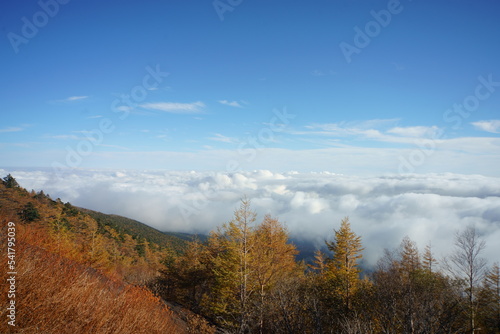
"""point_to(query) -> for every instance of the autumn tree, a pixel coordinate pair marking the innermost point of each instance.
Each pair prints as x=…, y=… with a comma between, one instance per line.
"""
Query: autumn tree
x=95, y=245
x=343, y=268
x=231, y=247
x=235, y=278
x=410, y=258
x=409, y=266
x=273, y=260
x=187, y=277
x=317, y=293
x=469, y=267
x=429, y=262
x=318, y=264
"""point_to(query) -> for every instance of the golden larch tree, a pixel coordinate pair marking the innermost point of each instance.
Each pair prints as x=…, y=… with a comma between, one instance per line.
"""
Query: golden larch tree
x=343, y=268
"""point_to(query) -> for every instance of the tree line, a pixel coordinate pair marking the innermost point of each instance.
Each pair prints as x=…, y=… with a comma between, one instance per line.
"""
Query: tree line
x=245, y=279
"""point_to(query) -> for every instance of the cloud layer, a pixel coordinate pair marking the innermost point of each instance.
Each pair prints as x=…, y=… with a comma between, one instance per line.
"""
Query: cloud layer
x=428, y=208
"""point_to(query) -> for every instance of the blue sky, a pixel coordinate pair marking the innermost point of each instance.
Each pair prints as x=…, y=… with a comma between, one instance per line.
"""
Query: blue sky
x=235, y=68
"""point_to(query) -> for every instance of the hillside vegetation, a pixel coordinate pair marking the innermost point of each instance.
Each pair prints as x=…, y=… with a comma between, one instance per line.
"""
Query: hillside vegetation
x=76, y=275
x=140, y=231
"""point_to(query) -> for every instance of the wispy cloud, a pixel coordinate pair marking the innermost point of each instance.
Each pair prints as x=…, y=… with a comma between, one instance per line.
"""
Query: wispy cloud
x=222, y=138
x=76, y=98
x=71, y=99
x=231, y=103
x=382, y=130
x=124, y=108
x=80, y=135
x=96, y=116
x=415, y=131
x=64, y=137
x=492, y=126
x=11, y=129
x=175, y=107
x=371, y=129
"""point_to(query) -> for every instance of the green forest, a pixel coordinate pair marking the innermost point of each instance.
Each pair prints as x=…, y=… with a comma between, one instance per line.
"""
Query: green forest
x=80, y=271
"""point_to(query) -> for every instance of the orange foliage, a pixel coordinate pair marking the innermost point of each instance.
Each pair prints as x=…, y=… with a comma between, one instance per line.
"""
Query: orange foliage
x=58, y=295
x=71, y=277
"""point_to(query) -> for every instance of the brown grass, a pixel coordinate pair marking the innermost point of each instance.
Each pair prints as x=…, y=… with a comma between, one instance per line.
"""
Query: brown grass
x=58, y=295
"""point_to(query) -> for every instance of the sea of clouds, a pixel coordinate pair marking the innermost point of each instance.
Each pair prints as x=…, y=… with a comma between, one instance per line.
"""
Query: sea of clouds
x=429, y=208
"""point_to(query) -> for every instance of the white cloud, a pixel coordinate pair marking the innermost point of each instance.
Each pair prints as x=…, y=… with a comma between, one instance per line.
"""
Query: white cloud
x=492, y=126
x=430, y=140
x=174, y=107
x=222, y=138
x=427, y=208
x=231, y=103
x=11, y=129
x=124, y=108
x=374, y=130
x=75, y=98
x=72, y=99
x=64, y=137
x=415, y=131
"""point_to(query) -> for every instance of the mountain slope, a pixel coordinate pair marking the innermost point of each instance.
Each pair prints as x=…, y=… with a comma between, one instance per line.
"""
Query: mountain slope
x=139, y=230
x=70, y=274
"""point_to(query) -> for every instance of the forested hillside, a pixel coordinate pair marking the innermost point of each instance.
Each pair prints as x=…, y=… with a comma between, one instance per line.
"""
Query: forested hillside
x=73, y=274
x=139, y=231
x=80, y=271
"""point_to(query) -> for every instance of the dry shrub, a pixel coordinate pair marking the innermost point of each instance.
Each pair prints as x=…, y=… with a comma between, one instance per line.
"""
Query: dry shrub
x=198, y=325
x=57, y=295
